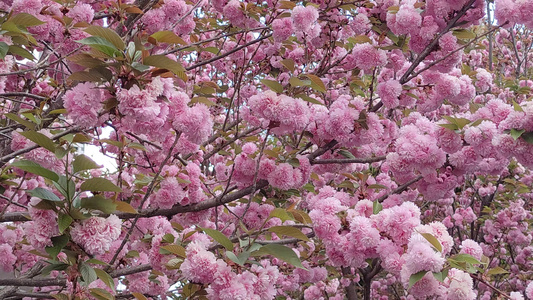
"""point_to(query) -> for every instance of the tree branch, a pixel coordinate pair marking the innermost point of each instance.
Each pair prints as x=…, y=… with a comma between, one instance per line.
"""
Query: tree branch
x=400, y=189
x=348, y=160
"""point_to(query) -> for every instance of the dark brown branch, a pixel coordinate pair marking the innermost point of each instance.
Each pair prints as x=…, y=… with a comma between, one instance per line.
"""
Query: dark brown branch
x=348, y=160
x=4, y=159
x=431, y=47
x=152, y=212
x=401, y=188
x=284, y=241
x=322, y=150
x=202, y=63
x=61, y=281
x=22, y=94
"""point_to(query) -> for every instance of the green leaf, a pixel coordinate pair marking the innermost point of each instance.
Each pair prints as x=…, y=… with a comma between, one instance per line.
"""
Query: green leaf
x=40, y=139
x=515, y=133
x=477, y=122
x=203, y=100
x=25, y=19
x=433, y=241
x=86, y=60
x=346, y=154
x=168, y=238
x=527, y=137
x=96, y=262
x=517, y=106
x=86, y=76
x=3, y=49
x=462, y=122
x=139, y=296
x=101, y=294
x=102, y=45
x=281, y=214
x=449, y=126
x=108, y=34
x=464, y=34
x=45, y=205
x=26, y=123
x=377, y=187
x=35, y=168
x=83, y=162
x=273, y=85
x=376, y=207
x=440, y=276
x=282, y=252
x=219, y=237
x=66, y=187
x=174, y=263
x=289, y=231
x=60, y=296
x=286, y=5
x=234, y=258
x=17, y=50
x=125, y=207
x=497, y=271
x=163, y=62
x=168, y=37
x=58, y=242
x=100, y=203
x=288, y=63
x=348, y=184
x=54, y=266
x=99, y=184
x=316, y=83
x=360, y=39
x=175, y=249
x=87, y=273
x=61, y=152
x=44, y=194
x=80, y=138
x=416, y=278
x=294, y=162
x=306, y=98
x=106, y=278
x=466, y=258
x=296, y=82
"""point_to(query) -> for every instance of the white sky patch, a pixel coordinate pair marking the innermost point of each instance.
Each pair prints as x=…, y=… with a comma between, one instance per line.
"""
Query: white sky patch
x=108, y=161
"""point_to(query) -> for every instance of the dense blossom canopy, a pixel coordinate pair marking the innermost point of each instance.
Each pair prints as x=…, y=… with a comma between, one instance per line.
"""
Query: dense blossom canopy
x=323, y=149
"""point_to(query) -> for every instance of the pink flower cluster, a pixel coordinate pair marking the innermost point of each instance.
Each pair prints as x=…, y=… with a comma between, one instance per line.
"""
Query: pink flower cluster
x=459, y=285
x=96, y=234
x=169, y=193
x=286, y=114
x=168, y=15
x=81, y=12
x=416, y=150
x=201, y=266
x=366, y=57
x=514, y=11
x=42, y=227
x=141, y=105
x=341, y=122
x=304, y=17
x=422, y=256
x=282, y=29
x=389, y=91
x=172, y=192
x=196, y=123
x=83, y=103
x=398, y=222
x=285, y=177
x=407, y=20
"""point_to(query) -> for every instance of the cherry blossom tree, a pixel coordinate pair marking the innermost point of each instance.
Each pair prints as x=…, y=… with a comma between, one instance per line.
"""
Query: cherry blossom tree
x=330, y=149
